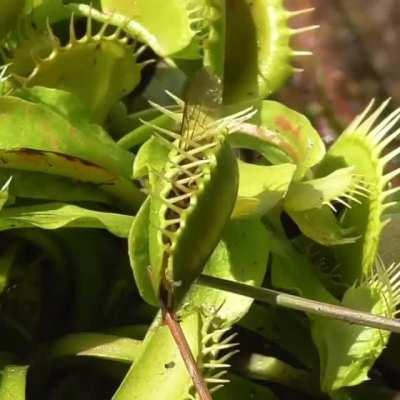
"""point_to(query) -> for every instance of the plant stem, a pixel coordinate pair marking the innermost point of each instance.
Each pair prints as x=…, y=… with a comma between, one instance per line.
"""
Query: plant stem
x=177, y=333
x=301, y=304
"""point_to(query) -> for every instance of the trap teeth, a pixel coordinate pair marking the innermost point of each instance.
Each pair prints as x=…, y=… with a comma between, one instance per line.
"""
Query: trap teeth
x=302, y=53
x=304, y=11
x=304, y=29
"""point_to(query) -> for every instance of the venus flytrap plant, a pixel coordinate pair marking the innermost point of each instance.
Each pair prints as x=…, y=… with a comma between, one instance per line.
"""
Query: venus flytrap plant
x=104, y=346
x=205, y=28
x=356, y=189
x=201, y=240
x=205, y=342
x=198, y=34
x=107, y=59
x=362, y=146
x=199, y=168
x=356, y=347
x=242, y=241
x=165, y=38
x=260, y=28
x=347, y=364
x=370, y=197
x=315, y=194
x=126, y=350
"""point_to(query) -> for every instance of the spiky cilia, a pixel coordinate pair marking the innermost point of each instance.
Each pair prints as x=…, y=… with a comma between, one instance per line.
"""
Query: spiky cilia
x=98, y=67
x=363, y=147
x=196, y=189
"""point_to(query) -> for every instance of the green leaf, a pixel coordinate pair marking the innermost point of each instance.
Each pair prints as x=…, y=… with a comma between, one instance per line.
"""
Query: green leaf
x=97, y=345
x=150, y=158
x=65, y=104
x=261, y=188
x=13, y=382
x=142, y=160
x=68, y=106
x=241, y=256
x=59, y=215
x=34, y=126
x=38, y=185
x=139, y=257
x=37, y=126
x=37, y=139
x=160, y=367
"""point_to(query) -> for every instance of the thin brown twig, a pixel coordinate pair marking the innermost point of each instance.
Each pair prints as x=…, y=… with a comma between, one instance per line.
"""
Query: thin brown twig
x=170, y=319
x=313, y=307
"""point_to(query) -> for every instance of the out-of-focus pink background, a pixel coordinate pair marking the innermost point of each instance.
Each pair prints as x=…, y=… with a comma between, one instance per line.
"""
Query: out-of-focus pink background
x=356, y=58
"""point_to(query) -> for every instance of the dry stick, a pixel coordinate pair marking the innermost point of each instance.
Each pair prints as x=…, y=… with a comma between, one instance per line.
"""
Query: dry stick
x=299, y=303
x=177, y=333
